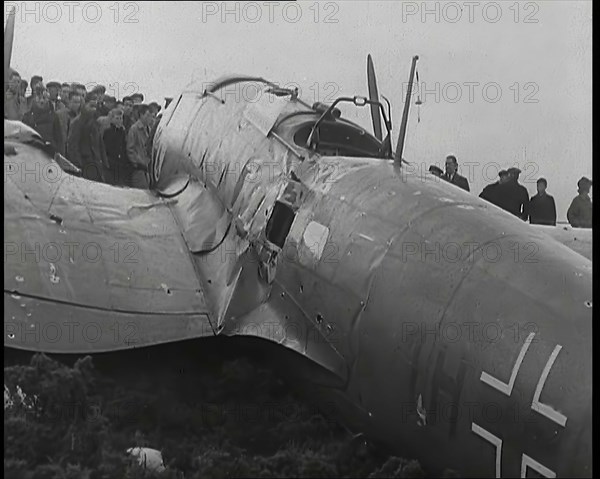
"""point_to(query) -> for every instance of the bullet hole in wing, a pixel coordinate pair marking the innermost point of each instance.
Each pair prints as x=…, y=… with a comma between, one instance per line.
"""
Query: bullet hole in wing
x=279, y=224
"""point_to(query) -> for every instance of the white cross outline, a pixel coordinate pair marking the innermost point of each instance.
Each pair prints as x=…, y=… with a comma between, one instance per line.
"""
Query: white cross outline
x=496, y=441
x=499, y=385
x=545, y=409
x=536, y=405
x=536, y=466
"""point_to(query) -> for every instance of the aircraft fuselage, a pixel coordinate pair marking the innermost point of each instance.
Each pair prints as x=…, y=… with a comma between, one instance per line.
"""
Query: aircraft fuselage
x=444, y=327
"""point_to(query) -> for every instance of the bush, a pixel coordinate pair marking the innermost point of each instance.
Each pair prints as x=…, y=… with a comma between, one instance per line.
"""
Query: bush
x=77, y=422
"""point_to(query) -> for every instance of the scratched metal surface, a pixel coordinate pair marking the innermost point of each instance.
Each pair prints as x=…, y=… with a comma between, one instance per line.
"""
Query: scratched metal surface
x=111, y=252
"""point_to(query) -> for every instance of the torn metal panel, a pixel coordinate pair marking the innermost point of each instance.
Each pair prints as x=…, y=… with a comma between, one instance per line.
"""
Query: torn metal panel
x=203, y=219
x=281, y=321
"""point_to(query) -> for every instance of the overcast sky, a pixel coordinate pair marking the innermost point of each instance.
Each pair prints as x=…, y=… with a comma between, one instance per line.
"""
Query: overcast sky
x=502, y=84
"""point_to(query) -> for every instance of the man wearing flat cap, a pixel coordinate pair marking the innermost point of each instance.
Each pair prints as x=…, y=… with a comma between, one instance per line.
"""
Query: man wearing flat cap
x=492, y=193
x=53, y=91
x=579, y=213
x=514, y=197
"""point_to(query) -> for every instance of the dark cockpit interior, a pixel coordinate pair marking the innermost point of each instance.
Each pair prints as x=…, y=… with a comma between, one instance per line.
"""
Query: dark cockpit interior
x=339, y=138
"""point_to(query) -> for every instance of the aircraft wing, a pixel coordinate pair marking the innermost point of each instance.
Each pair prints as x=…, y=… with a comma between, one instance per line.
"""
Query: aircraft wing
x=89, y=267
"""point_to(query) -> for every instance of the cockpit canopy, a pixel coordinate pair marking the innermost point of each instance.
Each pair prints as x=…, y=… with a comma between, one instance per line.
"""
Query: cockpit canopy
x=340, y=138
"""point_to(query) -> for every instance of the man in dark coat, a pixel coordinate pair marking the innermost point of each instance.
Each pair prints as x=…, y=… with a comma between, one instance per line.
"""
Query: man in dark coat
x=513, y=197
x=115, y=143
x=85, y=145
x=43, y=119
x=542, y=209
x=491, y=192
x=451, y=174
x=580, y=211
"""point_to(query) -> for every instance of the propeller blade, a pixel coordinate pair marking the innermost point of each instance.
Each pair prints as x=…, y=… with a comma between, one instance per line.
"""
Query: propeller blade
x=9, y=34
x=374, y=96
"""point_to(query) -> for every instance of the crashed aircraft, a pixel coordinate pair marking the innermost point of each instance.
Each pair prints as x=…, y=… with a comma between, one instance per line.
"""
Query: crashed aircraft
x=282, y=222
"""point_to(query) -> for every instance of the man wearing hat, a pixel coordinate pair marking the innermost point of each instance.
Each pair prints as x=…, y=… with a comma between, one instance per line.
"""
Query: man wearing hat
x=452, y=175
x=579, y=213
x=492, y=192
x=53, y=92
x=514, y=197
x=542, y=209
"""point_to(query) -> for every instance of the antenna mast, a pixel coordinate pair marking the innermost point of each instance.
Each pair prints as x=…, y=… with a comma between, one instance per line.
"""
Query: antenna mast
x=400, y=146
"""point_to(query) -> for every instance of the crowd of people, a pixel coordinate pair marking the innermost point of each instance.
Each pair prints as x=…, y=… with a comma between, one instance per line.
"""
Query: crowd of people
x=109, y=140
x=508, y=194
